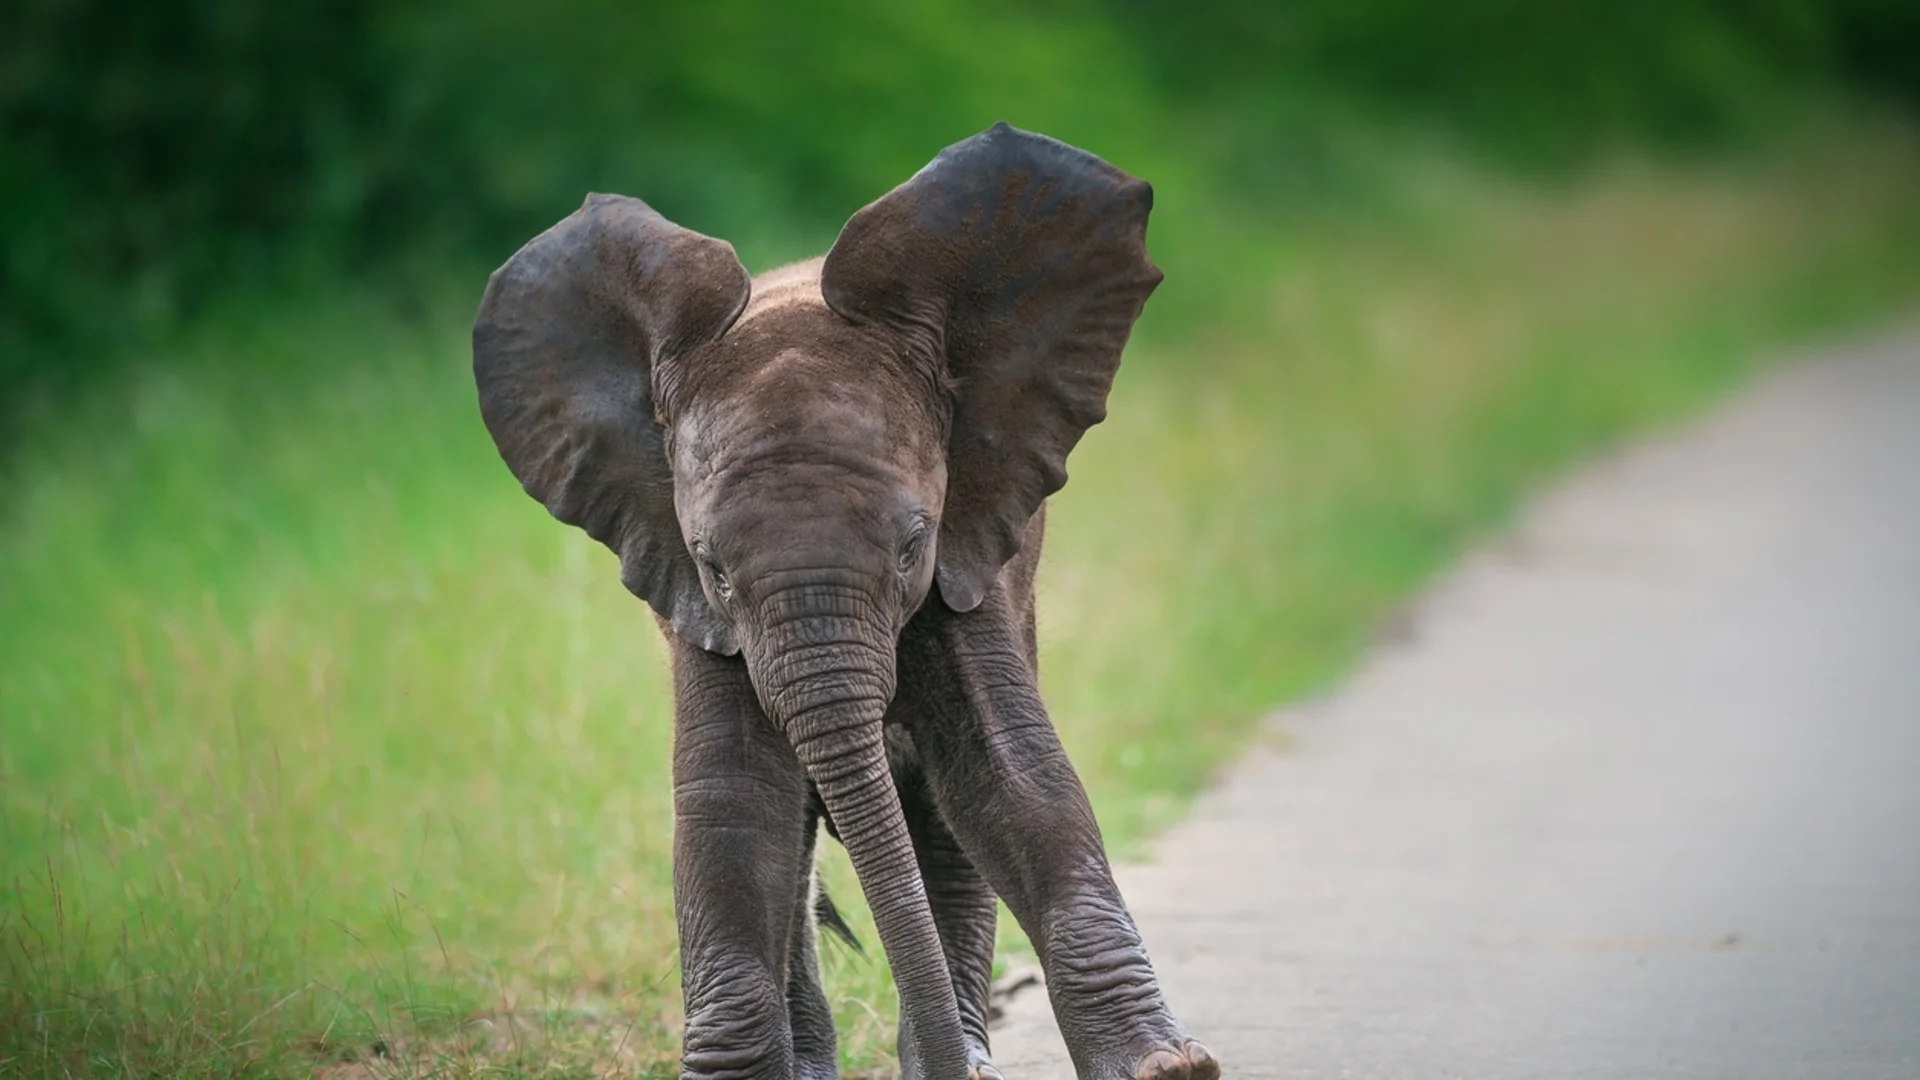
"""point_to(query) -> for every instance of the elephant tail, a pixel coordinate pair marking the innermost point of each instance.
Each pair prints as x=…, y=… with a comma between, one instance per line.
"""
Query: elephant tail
x=829, y=917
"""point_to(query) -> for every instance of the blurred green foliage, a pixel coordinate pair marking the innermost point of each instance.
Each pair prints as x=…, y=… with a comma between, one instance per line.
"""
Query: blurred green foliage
x=1539, y=82
x=153, y=153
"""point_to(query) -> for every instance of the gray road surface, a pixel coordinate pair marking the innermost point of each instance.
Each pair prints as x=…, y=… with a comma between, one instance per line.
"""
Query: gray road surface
x=1636, y=794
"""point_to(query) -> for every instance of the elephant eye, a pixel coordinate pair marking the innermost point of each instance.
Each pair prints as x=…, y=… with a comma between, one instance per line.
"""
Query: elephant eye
x=722, y=588
x=911, y=550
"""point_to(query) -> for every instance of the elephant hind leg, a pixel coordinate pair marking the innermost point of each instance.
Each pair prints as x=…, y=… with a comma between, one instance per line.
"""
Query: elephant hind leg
x=815, y=1051
x=995, y=768
x=966, y=913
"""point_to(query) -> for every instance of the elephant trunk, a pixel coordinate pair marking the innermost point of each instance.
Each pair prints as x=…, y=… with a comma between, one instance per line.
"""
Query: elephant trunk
x=824, y=668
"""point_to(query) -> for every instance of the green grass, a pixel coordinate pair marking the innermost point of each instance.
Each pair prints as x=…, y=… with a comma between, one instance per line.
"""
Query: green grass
x=317, y=735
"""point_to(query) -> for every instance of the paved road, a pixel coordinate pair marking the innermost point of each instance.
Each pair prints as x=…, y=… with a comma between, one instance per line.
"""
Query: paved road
x=1636, y=795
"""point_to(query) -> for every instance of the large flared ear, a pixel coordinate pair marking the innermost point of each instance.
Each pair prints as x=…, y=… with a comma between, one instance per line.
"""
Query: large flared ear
x=1021, y=262
x=565, y=347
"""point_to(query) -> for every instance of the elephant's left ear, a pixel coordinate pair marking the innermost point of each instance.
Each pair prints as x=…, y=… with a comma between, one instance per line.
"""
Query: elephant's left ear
x=569, y=338
x=1020, y=262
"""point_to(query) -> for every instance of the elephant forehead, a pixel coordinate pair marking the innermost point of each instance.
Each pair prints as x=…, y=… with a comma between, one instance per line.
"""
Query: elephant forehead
x=785, y=498
x=796, y=418
x=801, y=390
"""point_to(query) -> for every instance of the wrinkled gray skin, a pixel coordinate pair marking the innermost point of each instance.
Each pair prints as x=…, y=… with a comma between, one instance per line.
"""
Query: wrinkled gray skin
x=828, y=483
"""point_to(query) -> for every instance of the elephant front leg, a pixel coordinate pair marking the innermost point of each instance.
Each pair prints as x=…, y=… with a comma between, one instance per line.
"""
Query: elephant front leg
x=1003, y=784
x=739, y=852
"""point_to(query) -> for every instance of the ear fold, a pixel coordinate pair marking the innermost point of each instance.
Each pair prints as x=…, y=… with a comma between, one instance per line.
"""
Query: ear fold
x=1021, y=262
x=565, y=345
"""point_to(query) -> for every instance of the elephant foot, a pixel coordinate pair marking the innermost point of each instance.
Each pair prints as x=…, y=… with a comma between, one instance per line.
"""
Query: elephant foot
x=1187, y=1061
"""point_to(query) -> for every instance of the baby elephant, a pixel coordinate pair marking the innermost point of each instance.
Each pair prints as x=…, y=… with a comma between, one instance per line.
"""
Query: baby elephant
x=789, y=467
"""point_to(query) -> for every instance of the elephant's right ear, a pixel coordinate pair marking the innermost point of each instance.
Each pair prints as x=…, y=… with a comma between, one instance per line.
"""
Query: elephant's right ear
x=565, y=345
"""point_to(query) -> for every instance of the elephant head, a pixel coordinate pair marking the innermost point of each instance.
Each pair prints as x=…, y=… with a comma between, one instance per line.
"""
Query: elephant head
x=789, y=466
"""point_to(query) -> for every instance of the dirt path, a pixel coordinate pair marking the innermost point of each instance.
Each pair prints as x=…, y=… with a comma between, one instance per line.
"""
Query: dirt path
x=1638, y=796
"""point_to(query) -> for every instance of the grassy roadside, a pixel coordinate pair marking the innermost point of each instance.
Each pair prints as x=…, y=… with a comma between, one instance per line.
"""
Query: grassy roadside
x=317, y=736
